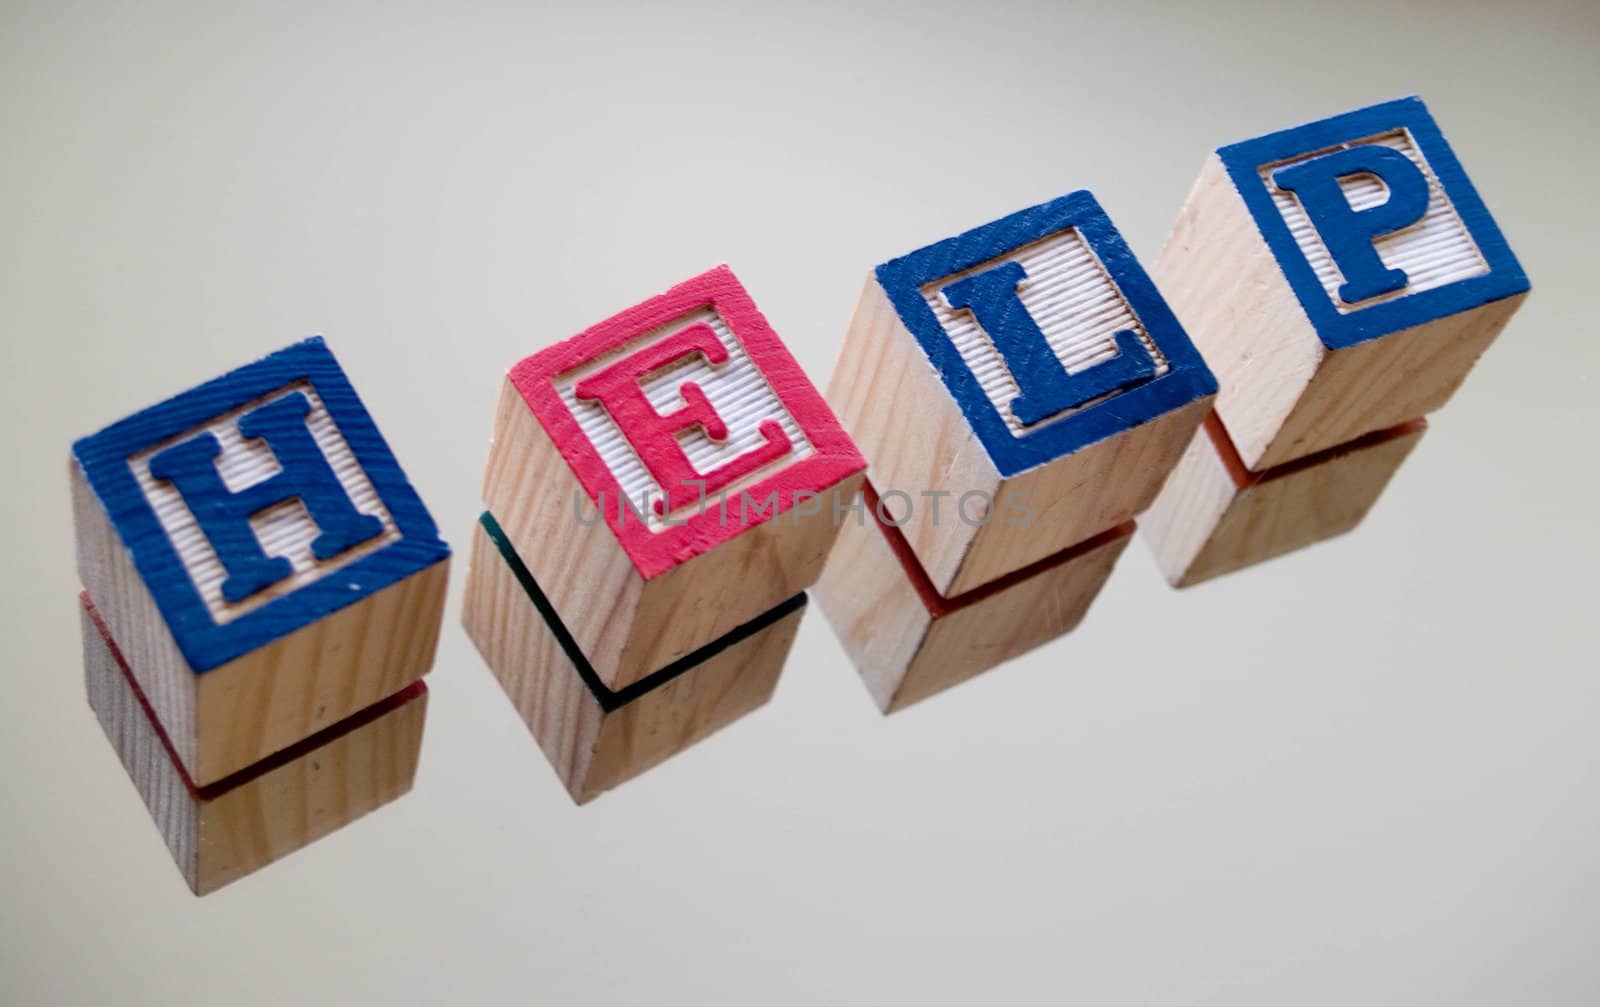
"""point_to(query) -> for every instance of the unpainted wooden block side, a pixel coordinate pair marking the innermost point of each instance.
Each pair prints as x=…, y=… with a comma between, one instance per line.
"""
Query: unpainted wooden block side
x=107, y=573
x=1222, y=281
x=908, y=425
x=533, y=493
x=1384, y=382
x=1185, y=514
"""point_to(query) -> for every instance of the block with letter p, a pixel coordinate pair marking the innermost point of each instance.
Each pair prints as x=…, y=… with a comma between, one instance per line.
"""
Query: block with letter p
x=258, y=557
x=667, y=475
x=1341, y=277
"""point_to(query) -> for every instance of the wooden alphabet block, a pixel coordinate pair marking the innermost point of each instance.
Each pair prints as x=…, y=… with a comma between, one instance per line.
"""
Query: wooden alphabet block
x=596, y=738
x=1215, y=516
x=1017, y=389
x=910, y=642
x=1340, y=277
x=259, y=557
x=220, y=832
x=667, y=475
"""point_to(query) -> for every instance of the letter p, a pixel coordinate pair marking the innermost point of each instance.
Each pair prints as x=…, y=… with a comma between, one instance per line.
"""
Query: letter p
x=1347, y=232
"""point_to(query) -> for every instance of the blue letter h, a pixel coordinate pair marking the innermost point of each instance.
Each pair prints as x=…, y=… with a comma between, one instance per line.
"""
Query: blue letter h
x=224, y=515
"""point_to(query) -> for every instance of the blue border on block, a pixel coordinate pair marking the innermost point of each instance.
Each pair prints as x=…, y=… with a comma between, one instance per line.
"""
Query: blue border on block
x=1188, y=378
x=1337, y=331
x=204, y=643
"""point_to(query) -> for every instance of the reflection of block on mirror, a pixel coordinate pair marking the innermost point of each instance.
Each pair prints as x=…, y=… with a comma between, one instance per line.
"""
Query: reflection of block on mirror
x=596, y=738
x=1215, y=516
x=223, y=831
x=909, y=642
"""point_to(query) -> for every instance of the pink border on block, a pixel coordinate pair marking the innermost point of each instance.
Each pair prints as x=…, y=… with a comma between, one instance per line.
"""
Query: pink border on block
x=834, y=456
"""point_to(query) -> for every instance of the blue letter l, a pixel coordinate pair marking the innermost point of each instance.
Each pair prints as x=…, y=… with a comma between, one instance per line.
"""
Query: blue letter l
x=1046, y=386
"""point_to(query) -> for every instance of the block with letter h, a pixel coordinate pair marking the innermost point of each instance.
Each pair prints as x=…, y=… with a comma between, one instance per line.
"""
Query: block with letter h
x=1341, y=277
x=258, y=574
x=1021, y=391
x=662, y=488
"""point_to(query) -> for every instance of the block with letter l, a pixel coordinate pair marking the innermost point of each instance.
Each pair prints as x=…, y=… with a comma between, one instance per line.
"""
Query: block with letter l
x=258, y=556
x=1021, y=391
x=666, y=476
x=1017, y=389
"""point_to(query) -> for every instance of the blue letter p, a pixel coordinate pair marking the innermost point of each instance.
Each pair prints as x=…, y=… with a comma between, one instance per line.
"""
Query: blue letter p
x=1349, y=233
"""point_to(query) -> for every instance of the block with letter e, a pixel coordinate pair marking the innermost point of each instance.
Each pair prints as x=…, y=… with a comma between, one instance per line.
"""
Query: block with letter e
x=259, y=559
x=1341, y=277
x=1020, y=390
x=667, y=475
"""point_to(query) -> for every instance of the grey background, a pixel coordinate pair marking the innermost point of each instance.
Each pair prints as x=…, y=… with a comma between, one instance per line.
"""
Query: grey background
x=1363, y=775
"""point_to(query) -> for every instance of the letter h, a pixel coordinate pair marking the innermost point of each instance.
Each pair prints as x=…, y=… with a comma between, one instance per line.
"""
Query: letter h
x=224, y=515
